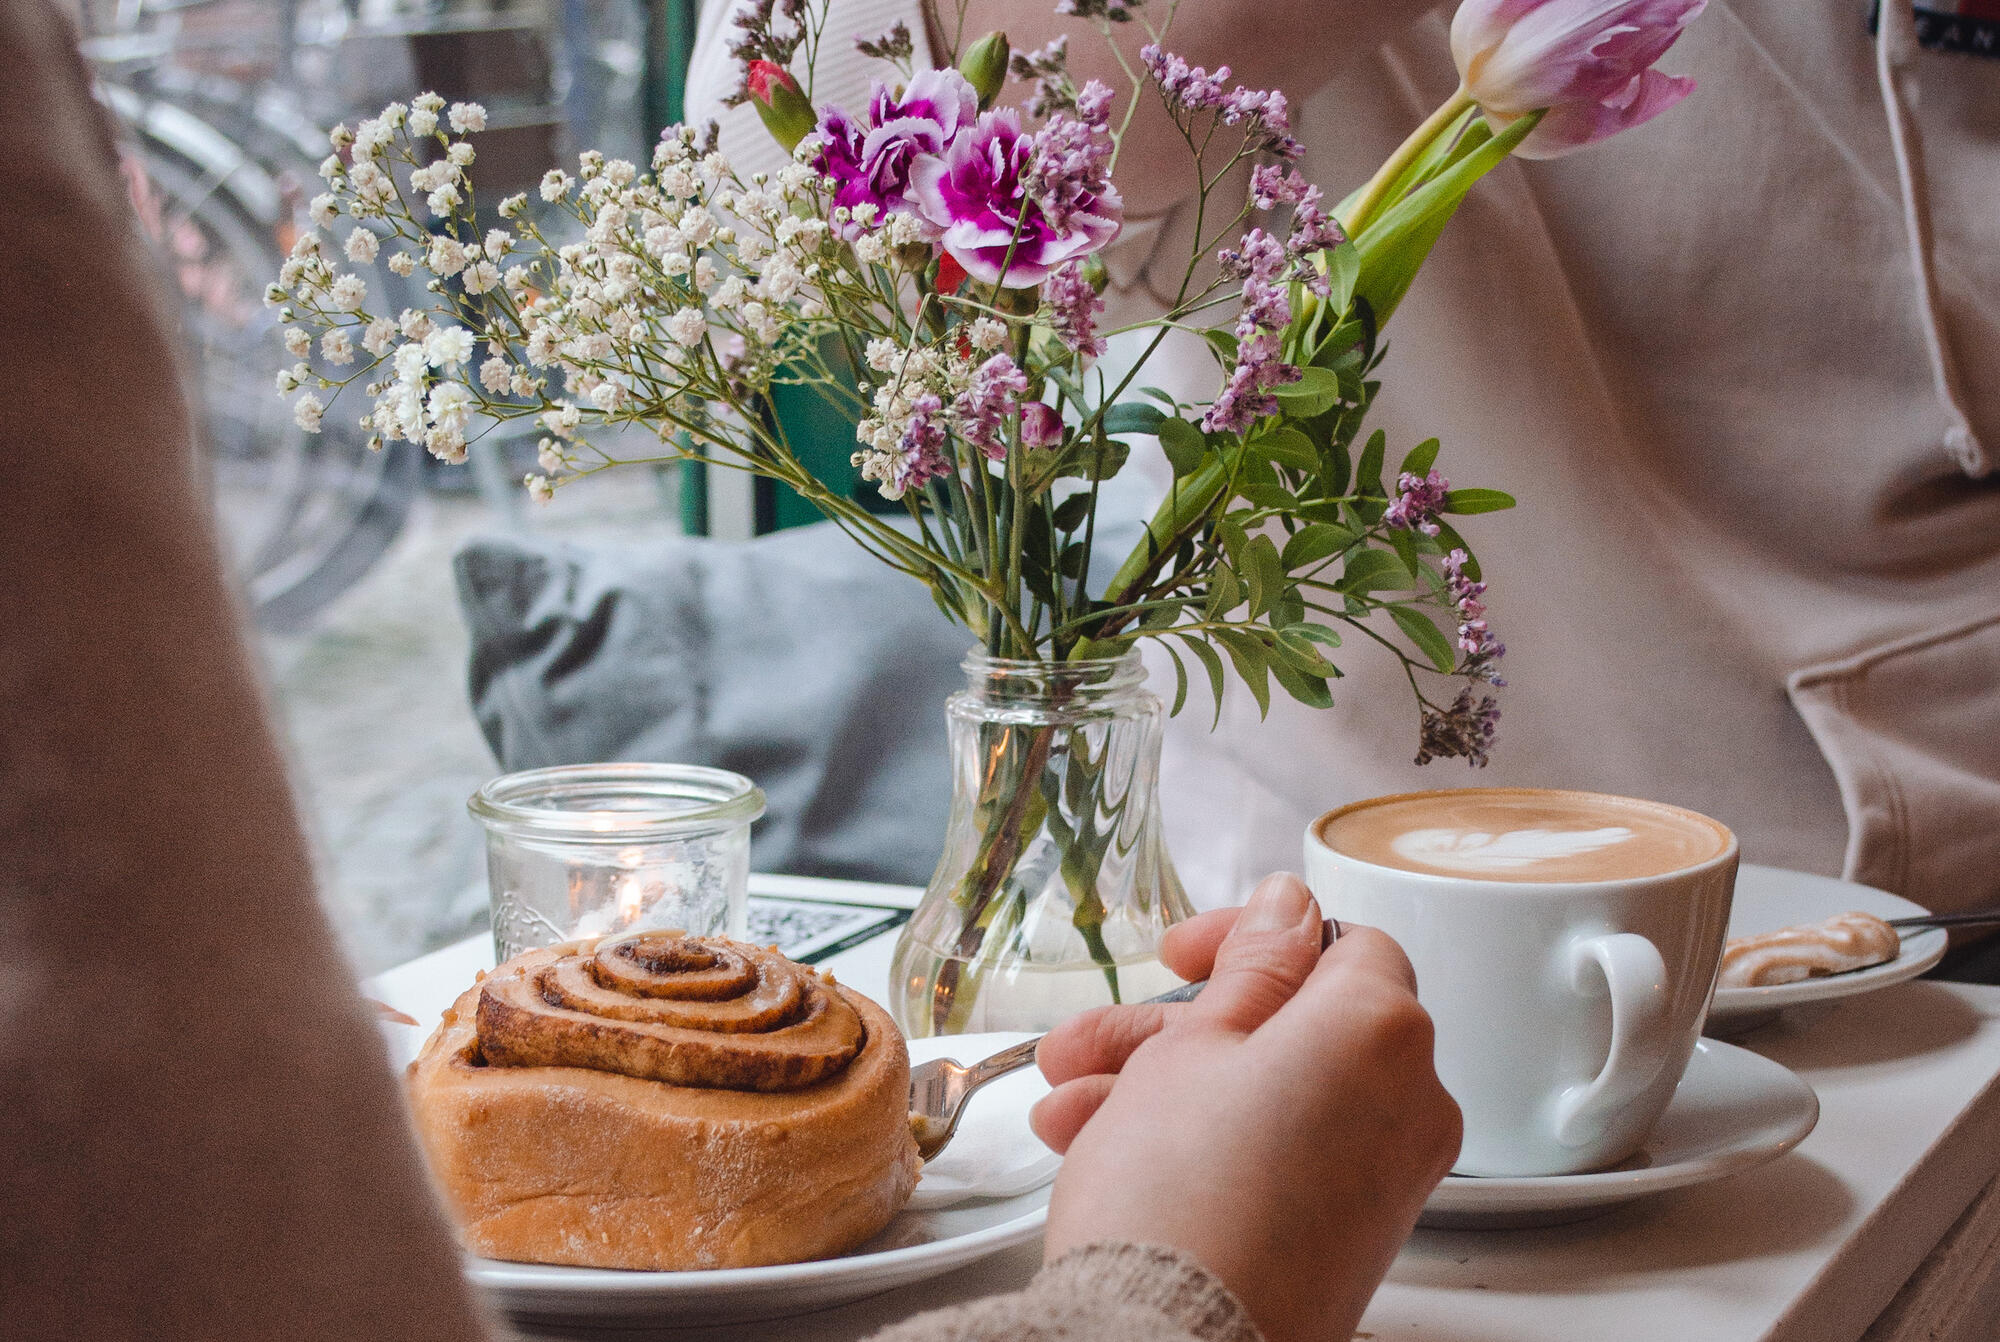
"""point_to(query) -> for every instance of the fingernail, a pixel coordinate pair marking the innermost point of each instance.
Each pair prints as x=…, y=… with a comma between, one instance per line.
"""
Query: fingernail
x=1280, y=903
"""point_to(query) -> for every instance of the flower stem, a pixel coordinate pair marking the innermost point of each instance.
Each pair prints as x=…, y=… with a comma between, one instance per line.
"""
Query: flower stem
x=1375, y=195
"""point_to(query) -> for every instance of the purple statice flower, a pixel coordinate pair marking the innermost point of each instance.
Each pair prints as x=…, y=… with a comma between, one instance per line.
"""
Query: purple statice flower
x=1475, y=637
x=1047, y=68
x=1070, y=172
x=1419, y=498
x=1073, y=307
x=1464, y=731
x=1269, y=117
x=985, y=406
x=977, y=195
x=920, y=455
x=1246, y=397
x=1041, y=426
x=1189, y=88
x=1313, y=230
x=1275, y=184
x=1116, y=11
x=871, y=162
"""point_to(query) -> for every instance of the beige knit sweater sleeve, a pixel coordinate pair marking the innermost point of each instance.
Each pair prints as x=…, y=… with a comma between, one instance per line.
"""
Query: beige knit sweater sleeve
x=1097, y=1293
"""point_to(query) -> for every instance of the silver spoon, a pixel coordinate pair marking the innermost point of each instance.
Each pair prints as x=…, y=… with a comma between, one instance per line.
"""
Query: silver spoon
x=940, y=1088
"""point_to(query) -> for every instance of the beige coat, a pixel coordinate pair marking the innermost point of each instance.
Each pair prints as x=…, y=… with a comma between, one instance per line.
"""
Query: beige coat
x=1742, y=368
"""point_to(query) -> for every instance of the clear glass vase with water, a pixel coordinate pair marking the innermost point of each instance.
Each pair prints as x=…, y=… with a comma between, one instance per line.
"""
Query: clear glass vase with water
x=1054, y=886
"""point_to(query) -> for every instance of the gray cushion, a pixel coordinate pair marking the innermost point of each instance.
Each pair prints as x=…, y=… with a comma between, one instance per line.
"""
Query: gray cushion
x=796, y=659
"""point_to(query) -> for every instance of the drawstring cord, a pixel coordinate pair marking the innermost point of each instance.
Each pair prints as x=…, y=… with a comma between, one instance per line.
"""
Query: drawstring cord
x=1895, y=47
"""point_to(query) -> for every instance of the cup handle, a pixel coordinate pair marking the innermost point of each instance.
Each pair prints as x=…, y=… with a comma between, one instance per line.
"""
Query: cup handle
x=1636, y=977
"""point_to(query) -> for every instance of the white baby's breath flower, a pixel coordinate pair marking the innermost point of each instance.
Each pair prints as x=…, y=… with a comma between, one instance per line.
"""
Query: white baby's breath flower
x=987, y=334
x=697, y=226
x=865, y=214
x=481, y=276
x=307, y=411
x=883, y=354
x=380, y=335
x=704, y=273
x=428, y=101
x=522, y=384
x=274, y=295
x=349, y=292
x=540, y=489
x=443, y=200
x=448, y=346
x=287, y=380
x=687, y=327
x=362, y=246
x=498, y=243
x=331, y=167
x=403, y=264
x=447, y=445
x=446, y=256
x=589, y=163
x=340, y=137
x=337, y=347
x=324, y=208
x=415, y=323
x=495, y=374
x=411, y=362
x=423, y=121
x=549, y=455
x=460, y=154
x=467, y=117
x=512, y=206
x=555, y=184
x=451, y=405
x=619, y=172
x=297, y=341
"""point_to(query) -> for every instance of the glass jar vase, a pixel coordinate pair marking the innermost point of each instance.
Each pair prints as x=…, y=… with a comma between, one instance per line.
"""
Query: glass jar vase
x=1055, y=885
x=584, y=850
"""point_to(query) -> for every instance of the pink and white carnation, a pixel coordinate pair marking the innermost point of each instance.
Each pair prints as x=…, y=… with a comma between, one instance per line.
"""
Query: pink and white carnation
x=870, y=163
x=993, y=223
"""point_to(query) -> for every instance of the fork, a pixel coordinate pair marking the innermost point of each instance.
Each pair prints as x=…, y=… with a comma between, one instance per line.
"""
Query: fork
x=940, y=1088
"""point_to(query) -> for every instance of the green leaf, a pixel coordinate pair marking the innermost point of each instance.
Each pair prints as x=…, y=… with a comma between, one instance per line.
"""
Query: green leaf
x=1096, y=461
x=1368, y=474
x=1072, y=560
x=1073, y=511
x=1394, y=245
x=1315, y=542
x=1180, y=680
x=1477, y=501
x=1405, y=545
x=1343, y=268
x=1223, y=343
x=1165, y=398
x=1184, y=445
x=1422, y=457
x=1315, y=392
x=1318, y=633
x=1301, y=653
x=1266, y=574
x=1234, y=540
x=1288, y=447
x=1375, y=571
x=1423, y=631
x=1210, y=663
x=1133, y=417
x=1276, y=497
x=1308, y=690
x=1288, y=609
x=1224, y=592
x=1252, y=662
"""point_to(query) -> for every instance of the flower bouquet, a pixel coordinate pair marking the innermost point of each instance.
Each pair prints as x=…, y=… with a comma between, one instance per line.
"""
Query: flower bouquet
x=932, y=262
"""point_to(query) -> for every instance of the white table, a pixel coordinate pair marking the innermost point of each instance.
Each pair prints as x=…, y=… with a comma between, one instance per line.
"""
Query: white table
x=1884, y=1197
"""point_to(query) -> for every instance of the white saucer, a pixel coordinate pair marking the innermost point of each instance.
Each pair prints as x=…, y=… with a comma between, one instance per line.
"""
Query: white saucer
x=1734, y=1110
x=1769, y=898
x=919, y=1243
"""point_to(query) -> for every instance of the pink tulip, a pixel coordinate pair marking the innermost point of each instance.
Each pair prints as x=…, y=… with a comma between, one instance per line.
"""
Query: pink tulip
x=1587, y=62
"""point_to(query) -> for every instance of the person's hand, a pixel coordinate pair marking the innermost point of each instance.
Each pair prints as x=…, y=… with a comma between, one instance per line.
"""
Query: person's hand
x=1285, y=1127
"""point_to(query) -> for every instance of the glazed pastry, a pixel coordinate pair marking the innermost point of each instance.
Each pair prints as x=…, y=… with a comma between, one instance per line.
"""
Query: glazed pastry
x=660, y=1101
x=1843, y=942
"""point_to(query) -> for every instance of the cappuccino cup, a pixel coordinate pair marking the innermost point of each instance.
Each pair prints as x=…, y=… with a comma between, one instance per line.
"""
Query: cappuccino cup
x=1565, y=945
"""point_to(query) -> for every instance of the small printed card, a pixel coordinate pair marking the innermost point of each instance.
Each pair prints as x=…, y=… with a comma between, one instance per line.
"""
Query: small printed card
x=810, y=930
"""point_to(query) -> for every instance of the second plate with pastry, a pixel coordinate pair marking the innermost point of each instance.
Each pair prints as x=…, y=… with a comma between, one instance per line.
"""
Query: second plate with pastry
x=1768, y=898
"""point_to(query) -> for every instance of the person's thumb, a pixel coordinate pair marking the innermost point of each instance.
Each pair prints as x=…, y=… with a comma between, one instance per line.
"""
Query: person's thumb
x=1265, y=958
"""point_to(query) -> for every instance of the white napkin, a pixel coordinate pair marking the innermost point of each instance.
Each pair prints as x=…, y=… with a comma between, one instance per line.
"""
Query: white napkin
x=993, y=1155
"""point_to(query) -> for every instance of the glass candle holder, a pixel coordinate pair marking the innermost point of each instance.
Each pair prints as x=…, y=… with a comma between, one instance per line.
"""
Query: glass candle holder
x=585, y=850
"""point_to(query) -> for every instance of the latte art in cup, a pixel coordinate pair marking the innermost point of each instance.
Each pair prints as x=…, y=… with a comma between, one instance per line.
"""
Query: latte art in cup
x=1524, y=834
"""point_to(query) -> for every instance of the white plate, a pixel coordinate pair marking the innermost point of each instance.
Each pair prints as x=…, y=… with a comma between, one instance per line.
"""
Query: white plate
x=1770, y=897
x=1733, y=1110
x=917, y=1245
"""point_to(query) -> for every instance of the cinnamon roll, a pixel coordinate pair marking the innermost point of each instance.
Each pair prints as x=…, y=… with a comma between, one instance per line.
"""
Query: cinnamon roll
x=1844, y=942
x=654, y=1100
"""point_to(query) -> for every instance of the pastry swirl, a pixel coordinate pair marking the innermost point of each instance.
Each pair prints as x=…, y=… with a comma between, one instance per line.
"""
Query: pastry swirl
x=664, y=1006
x=1844, y=942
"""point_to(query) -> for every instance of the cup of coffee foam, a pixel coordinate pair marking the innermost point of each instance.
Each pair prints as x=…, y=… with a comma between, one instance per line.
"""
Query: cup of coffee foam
x=1565, y=944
